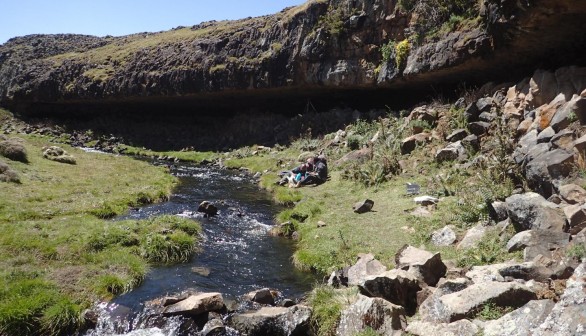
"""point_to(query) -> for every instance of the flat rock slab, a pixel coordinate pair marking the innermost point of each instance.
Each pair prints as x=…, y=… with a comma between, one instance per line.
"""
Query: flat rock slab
x=458, y=328
x=378, y=314
x=395, y=286
x=364, y=267
x=532, y=211
x=520, y=322
x=196, y=305
x=465, y=303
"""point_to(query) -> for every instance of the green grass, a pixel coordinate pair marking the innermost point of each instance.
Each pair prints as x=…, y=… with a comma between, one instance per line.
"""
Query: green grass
x=327, y=304
x=57, y=253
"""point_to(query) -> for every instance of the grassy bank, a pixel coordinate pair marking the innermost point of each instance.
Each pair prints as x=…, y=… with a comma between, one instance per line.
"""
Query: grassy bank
x=58, y=251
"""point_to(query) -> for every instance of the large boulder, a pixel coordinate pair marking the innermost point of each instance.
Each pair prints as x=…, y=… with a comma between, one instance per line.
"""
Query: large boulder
x=473, y=236
x=278, y=321
x=364, y=267
x=196, y=305
x=432, y=306
x=568, y=316
x=378, y=314
x=545, y=170
x=262, y=296
x=532, y=211
x=465, y=303
x=207, y=208
x=458, y=328
x=425, y=266
x=572, y=194
x=451, y=152
x=503, y=271
x=395, y=286
x=576, y=216
x=520, y=322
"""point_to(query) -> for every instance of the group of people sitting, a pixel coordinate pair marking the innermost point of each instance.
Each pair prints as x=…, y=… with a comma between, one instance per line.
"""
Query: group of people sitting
x=313, y=171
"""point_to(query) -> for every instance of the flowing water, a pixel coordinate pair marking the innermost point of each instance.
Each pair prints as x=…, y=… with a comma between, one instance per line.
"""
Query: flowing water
x=237, y=255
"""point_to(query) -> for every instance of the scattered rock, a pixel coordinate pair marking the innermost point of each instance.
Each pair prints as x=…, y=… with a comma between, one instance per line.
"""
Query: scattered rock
x=207, y=208
x=426, y=200
x=277, y=321
x=363, y=206
x=214, y=327
x=432, y=305
x=196, y=305
x=563, y=140
x=458, y=328
x=395, y=286
x=443, y=237
x=262, y=296
x=545, y=135
x=545, y=169
x=321, y=224
x=457, y=135
x=451, y=152
x=471, y=141
x=479, y=128
x=531, y=211
x=378, y=314
x=58, y=154
x=421, y=211
x=364, y=267
x=576, y=215
x=520, y=322
x=424, y=265
x=410, y=143
x=473, y=236
x=500, y=272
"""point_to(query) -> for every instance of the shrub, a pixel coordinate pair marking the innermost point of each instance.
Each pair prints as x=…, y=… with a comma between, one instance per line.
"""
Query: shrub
x=577, y=251
x=14, y=150
x=402, y=52
x=387, y=51
x=490, y=311
x=353, y=141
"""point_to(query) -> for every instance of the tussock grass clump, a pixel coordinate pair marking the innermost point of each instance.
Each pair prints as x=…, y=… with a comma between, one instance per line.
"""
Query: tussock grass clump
x=174, y=247
x=13, y=149
x=327, y=304
x=57, y=154
x=7, y=174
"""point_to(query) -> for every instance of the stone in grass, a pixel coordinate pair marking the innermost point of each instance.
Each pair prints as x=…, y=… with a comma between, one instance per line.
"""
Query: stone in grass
x=366, y=266
x=58, y=154
x=7, y=174
x=363, y=206
x=14, y=150
x=443, y=237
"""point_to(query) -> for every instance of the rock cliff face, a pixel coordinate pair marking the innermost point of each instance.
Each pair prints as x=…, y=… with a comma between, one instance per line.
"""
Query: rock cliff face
x=315, y=49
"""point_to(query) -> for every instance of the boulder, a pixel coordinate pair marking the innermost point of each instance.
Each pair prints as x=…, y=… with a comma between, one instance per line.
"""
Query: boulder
x=196, y=305
x=214, y=327
x=424, y=113
x=426, y=200
x=451, y=152
x=262, y=296
x=207, y=208
x=359, y=155
x=568, y=316
x=545, y=135
x=580, y=144
x=378, y=314
x=410, y=143
x=580, y=238
x=457, y=135
x=458, y=328
x=564, y=139
x=425, y=266
x=58, y=154
x=473, y=236
x=524, y=126
x=573, y=194
x=471, y=141
x=548, y=168
x=395, y=286
x=547, y=112
x=543, y=87
x=443, y=237
x=432, y=306
x=576, y=215
x=536, y=242
x=484, y=104
x=520, y=322
x=465, y=303
x=278, y=321
x=363, y=206
x=479, y=128
x=503, y=271
x=472, y=112
x=568, y=113
x=531, y=211
x=364, y=267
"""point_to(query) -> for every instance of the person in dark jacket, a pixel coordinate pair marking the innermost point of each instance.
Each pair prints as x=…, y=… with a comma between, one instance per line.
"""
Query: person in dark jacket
x=319, y=174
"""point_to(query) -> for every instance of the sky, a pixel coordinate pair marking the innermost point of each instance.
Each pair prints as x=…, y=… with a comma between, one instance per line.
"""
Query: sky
x=122, y=17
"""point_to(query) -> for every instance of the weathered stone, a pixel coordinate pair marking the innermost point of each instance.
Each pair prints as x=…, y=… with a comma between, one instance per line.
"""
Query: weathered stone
x=58, y=154
x=564, y=139
x=571, y=111
x=568, y=316
x=359, y=155
x=457, y=135
x=363, y=206
x=580, y=144
x=425, y=200
x=214, y=327
x=364, y=267
x=576, y=215
x=484, y=104
x=524, y=126
x=426, y=266
x=196, y=305
x=573, y=194
x=207, y=208
x=424, y=113
x=410, y=143
x=499, y=272
x=479, y=128
x=472, y=112
x=471, y=141
x=548, y=111
x=546, y=238
x=278, y=321
x=432, y=306
x=548, y=167
x=580, y=238
x=545, y=135
x=451, y=152
x=465, y=303
x=378, y=314
x=458, y=328
x=396, y=286
x=473, y=236
x=543, y=87
x=520, y=322
x=500, y=211
x=531, y=211
x=262, y=296
x=443, y=237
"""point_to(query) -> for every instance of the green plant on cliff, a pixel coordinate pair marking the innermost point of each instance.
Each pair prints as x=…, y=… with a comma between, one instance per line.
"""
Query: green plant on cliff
x=402, y=50
x=387, y=50
x=332, y=21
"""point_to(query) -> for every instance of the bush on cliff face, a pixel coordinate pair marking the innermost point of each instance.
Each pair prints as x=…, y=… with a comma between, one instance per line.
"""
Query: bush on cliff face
x=14, y=150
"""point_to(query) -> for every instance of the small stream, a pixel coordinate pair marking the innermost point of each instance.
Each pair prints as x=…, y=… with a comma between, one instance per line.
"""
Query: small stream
x=237, y=255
